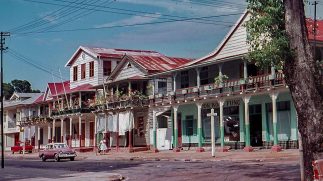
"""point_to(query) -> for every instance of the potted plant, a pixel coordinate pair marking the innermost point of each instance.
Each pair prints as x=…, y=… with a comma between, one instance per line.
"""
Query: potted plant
x=218, y=81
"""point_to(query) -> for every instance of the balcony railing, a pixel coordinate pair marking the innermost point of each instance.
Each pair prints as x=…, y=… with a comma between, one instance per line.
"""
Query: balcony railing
x=130, y=102
x=34, y=120
x=74, y=110
x=230, y=87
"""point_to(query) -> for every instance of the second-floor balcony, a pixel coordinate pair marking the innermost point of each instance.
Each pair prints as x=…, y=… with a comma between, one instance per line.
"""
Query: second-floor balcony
x=34, y=120
x=225, y=88
x=134, y=99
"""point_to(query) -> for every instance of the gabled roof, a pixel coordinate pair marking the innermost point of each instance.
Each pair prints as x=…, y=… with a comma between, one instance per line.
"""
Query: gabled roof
x=61, y=88
x=29, y=99
x=57, y=88
x=223, y=43
x=150, y=64
x=108, y=53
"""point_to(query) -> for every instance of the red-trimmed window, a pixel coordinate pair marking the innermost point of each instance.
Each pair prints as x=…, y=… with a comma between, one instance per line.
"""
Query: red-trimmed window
x=83, y=71
x=75, y=73
x=91, y=70
x=106, y=68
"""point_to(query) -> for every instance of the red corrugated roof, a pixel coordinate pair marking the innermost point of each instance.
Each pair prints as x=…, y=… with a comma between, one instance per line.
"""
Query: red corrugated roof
x=60, y=88
x=57, y=88
x=158, y=63
x=110, y=53
x=319, y=30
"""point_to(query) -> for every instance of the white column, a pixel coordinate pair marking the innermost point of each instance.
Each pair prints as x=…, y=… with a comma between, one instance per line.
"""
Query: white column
x=274, y=104
x=198, y=80
x=38, y=136
x=80, y=99
x=247, y=124
x=245, y=70
x=174, y=82
x=95, y=128
x=71, y=125
x=154, y=130
x=48, y=133
x=53, y=133
x=80, y=129
x=62, y=131
x=71, y=100
x=175, y=128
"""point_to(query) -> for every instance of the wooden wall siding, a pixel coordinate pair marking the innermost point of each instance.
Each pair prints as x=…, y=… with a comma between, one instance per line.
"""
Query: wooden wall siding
x=93, y=80
x=101, y=77
x=237, y=43
x=126, y=72
x=232, y=69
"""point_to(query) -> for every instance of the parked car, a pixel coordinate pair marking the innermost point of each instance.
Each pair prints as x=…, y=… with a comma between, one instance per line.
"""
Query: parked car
x=318, y=170
x=19, y=147
x=57, y=151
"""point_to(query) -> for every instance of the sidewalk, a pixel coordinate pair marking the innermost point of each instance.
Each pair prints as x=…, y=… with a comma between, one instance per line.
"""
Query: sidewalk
x=189, y=156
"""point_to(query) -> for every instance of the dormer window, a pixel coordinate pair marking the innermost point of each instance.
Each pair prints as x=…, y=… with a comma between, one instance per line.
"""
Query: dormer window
x=129, y=65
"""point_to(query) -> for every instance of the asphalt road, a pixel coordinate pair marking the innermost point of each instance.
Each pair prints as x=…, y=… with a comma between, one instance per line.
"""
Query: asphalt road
x=33, y=170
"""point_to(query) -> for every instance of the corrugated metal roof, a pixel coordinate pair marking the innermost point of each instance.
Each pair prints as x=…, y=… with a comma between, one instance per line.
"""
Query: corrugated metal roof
x=110, y=53
x=60, y=88
x=158, y=63
x=31, y=99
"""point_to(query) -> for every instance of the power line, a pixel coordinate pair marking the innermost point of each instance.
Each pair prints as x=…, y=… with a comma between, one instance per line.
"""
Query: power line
x=132, y=12
x=40, y=21
x=214, y=4
x=73, y=18
x=24, y=59
x=121, y=26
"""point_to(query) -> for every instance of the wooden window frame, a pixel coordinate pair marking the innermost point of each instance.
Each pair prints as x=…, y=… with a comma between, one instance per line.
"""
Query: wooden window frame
x=91, y=69
x=75, y=73
x=83, y=71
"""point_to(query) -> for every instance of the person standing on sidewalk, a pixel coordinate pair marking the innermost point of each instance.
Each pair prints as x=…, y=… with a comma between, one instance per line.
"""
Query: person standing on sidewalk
x=102, y=146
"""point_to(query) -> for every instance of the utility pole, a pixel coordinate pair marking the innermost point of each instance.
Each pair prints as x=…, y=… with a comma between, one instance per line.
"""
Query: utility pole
x=2, y=48
x=315, y=29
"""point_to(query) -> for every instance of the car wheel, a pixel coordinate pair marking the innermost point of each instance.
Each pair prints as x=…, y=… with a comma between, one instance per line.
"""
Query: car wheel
x=43, y=158
x=13, y=152
x=72, y=159
x=56, y=158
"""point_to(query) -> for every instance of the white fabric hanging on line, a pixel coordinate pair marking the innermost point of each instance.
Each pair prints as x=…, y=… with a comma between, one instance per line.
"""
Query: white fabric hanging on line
x=123, y=122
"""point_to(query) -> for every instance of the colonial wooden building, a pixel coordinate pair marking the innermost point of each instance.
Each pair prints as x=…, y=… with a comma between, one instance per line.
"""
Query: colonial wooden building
x=254, y=107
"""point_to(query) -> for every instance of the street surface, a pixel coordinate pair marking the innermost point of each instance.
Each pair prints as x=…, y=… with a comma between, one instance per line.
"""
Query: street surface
x=87, y=169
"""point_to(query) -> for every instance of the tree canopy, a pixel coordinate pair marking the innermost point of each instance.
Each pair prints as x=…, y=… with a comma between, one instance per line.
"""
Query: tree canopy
x=266, y=34
x=21, y=86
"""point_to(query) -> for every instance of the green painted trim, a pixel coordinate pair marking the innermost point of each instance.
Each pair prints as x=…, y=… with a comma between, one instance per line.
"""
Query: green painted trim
x=155, y=138
x=242, y=123
x=265, y=127
x=247, y=140
x=275, y=134
x=176, y=138
x=200, y=137
x=222, y=135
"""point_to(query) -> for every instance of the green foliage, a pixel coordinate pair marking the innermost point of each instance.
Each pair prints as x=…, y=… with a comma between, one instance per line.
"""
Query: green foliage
x=21, y=86
x=220, y=78
x=7, y=90
x=266, y=35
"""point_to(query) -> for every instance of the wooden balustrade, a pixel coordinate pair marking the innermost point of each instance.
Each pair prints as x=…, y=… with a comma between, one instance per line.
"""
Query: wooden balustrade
x=228, y=87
